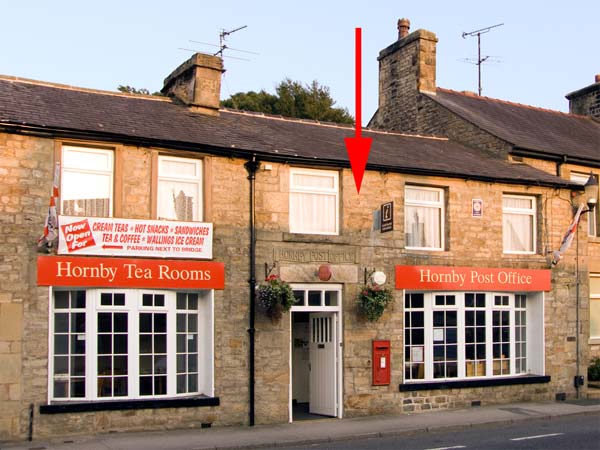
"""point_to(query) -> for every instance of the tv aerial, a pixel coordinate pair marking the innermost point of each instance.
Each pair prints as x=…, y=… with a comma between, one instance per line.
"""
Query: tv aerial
x=480, y=59
x=223, y=46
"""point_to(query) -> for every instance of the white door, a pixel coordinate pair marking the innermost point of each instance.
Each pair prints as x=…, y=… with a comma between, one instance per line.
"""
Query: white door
x=323, y=365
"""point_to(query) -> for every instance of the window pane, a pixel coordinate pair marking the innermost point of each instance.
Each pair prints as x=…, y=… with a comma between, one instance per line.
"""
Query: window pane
x=313, y=213
x=313, y=202
x=518, y=224
x=61, y=299
x=179, y=193
x=595, y=317
x=61, y=322
x=86, y=181
x=314, y=298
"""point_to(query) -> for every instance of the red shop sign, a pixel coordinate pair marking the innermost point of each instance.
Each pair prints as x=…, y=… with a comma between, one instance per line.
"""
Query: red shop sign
x=129, y=272
x=436, y=278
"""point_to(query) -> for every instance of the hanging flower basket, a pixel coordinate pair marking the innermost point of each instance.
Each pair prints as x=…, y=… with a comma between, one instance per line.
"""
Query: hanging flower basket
x=372, y=301
x=275, y=296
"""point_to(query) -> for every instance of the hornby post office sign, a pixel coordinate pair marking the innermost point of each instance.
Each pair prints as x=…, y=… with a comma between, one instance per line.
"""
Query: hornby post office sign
x=451, y=278
x=85, y=271
x=104, y=236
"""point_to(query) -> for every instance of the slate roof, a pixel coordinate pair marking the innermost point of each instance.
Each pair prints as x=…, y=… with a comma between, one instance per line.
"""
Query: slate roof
x=68, y=111
x=526, y=127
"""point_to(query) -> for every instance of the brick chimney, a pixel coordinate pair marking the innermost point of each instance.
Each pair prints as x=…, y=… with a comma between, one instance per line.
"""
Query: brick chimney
x=406, y=68
x=586, y=101
x=197, y=83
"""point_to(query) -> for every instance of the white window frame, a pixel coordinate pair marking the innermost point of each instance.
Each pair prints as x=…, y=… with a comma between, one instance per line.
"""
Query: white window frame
x=531, y=212
x=67, y=167
x=534, y=337
x=440, y=205
x=582, y=178
x=294, y=222
x=197, y=179
x=594, y=298
x=133, y=307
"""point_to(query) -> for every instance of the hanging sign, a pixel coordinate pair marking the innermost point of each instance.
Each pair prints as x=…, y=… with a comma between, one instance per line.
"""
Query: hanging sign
x=107, y=236
x=387, y=217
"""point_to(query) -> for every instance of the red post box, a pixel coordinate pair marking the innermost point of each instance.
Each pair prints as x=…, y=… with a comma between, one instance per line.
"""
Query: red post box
x=381, y=363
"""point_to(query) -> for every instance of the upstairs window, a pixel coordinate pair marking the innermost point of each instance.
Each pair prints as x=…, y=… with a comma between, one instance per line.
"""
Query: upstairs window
x=518, y=224
x=595, y=306
x=179, y=193
x=423, y=217
x=86, y=182
x=314, y=201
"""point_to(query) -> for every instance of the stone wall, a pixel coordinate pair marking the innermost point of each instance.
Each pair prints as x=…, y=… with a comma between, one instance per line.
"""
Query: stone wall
x=27, y=164
x=468, y=245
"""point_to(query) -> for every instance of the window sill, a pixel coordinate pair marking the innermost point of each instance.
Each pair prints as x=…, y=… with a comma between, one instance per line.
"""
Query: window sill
x=482, y=382
x=594, y=341
x=184, y=402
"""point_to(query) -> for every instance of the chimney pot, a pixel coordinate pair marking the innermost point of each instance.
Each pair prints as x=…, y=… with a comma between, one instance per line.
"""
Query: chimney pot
x=403, y=28
x=598, y=78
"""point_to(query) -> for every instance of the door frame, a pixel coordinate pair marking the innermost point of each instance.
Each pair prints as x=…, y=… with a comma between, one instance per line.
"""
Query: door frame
x=337, y=314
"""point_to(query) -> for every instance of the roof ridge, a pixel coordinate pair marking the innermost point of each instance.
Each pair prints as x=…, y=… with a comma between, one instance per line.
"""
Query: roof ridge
x=81, y=89
x=523, y=105
x=324, y=124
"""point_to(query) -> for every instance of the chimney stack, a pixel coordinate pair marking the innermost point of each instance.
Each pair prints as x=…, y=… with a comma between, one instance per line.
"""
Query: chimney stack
x=406, y=69
x=197, y=83
x=586, y=101
x=403, y=28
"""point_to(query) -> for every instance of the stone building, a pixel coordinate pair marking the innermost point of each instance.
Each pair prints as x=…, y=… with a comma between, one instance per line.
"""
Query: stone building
x=142, y=315
x=567, y=145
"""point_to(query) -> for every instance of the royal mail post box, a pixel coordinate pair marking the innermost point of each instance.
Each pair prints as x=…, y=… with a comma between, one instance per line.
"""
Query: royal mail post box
x=381, y=363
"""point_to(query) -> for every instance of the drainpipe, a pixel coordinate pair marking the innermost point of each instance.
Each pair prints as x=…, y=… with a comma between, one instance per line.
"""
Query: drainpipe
x=559, y=165
x=251, y=167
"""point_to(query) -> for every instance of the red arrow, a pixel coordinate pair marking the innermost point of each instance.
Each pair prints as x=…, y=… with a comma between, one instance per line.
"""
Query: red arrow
x=112, y=246
x=358, y=147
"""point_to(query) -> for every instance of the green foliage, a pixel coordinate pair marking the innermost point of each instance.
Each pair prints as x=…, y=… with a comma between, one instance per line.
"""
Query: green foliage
x=142, y=91
x=594, y=370
x=293, y=99
x=275, y=296
x=372, y=301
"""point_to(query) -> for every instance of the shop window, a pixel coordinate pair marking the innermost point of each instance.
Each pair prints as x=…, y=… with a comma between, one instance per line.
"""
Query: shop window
x=314, y=201
x=179, y=192
x=519, y=224
x=86, y=182
x=130, y=344
x=595, y=306
x=423, y=217
x=466, y=335
x=592, y=217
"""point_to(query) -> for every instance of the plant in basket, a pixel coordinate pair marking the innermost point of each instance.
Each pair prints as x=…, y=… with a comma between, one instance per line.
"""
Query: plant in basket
x=275, y=296
x=372, y=301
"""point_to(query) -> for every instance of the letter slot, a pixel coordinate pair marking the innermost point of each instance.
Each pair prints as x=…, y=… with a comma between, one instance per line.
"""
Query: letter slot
x=381, y=363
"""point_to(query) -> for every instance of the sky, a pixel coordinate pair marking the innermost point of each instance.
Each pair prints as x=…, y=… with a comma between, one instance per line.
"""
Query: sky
x=543, y=50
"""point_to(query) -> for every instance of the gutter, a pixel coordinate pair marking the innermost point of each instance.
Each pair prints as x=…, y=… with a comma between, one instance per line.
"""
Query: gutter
x=559, y=159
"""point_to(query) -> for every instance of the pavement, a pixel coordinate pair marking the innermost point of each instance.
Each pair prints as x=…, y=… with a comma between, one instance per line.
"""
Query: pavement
x=318, y=431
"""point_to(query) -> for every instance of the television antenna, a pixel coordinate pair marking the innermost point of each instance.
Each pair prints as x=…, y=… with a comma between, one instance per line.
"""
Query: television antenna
x=480, y=59
x=223, y=46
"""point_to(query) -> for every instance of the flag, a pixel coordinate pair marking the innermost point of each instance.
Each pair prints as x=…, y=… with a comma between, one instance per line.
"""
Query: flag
x=569, y=236
x=51, y=223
